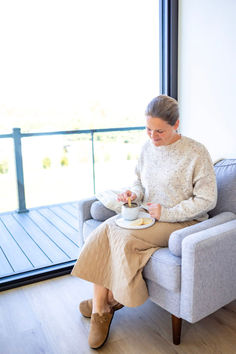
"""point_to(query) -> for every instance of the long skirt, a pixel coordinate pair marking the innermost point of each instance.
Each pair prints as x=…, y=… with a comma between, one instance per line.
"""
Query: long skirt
x=115, y=257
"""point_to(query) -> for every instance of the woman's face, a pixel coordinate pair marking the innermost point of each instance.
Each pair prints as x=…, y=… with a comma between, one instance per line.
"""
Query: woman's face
x=160, y=132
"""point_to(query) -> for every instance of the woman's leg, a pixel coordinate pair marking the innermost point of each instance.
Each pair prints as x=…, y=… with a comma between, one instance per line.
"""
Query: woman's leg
x=100, y=300
x=101, y=317
x=110, y=299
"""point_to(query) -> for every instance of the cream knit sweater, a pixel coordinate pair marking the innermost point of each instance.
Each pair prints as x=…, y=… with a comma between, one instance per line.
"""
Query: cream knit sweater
x=180, y=177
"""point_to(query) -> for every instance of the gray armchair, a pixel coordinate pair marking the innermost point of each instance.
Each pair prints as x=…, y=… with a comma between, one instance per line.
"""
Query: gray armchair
x=196, y=274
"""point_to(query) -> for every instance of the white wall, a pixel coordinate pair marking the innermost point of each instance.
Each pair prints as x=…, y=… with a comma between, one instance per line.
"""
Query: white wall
x=207, y=74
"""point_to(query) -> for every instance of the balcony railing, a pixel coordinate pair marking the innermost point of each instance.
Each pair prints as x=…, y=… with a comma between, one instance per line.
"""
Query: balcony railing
x=17, y=135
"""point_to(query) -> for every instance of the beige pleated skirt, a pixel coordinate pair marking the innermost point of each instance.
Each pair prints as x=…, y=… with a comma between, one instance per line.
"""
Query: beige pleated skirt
x=115, y=257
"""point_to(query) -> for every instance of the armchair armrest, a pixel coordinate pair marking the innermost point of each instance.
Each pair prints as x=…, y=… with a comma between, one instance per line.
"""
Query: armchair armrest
x=208, y=279
x=177, y=237
x=84, y=214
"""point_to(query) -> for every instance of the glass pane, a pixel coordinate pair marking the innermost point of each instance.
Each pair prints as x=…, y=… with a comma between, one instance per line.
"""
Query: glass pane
x=57, y=169
x=77, y=64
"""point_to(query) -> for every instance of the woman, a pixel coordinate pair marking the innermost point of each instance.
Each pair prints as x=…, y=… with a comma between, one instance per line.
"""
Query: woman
x=176, y=181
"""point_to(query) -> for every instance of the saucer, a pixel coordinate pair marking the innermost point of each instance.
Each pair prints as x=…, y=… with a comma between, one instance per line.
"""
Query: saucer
x=127, y=224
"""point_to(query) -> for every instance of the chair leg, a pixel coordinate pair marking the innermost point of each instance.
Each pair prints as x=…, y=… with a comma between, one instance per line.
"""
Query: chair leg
x=176, y=329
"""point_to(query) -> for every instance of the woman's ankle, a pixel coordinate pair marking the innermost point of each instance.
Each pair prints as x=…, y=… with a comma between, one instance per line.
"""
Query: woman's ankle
x=110, y=299
x=101, y=308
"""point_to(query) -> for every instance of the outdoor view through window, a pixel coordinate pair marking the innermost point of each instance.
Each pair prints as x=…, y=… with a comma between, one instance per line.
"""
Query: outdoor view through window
x=74, y=64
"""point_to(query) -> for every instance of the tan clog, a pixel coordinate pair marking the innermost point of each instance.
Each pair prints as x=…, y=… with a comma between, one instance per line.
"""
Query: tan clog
x=86, y=307
x=99, y=329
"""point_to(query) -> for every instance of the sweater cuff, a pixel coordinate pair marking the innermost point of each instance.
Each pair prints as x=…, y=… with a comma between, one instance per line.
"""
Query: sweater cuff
x=165, y=215
x=138, y=193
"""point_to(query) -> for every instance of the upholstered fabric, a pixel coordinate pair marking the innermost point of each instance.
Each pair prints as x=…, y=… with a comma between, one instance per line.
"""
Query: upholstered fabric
x=225, y=171
x=164, y=268
x=99, y=212
x=168, y=300
x=89, y=226
x=84, y=206
x=208, y=279
x=177, y=237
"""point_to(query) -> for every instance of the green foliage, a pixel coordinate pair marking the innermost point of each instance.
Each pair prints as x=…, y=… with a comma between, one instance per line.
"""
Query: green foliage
x=128, y=157
x=64, y=161
x=46, y=162
x=3, y=167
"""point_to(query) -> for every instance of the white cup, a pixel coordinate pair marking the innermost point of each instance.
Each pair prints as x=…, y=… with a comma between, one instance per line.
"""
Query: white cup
x=130, y=213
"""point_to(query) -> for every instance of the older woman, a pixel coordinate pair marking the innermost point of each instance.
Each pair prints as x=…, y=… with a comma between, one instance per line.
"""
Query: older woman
x=175, y=179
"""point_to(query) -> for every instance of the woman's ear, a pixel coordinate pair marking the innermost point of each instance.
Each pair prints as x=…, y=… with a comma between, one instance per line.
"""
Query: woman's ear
x=176, y=126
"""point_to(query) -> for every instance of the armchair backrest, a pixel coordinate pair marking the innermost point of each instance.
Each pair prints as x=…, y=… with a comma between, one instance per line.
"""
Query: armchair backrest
x=225, y=171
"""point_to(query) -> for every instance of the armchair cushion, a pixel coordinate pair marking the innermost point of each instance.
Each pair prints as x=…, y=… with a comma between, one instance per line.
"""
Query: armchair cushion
x=99, y=212
x=225, y=171
x=164, y=269
x=89, y=226
x=84, y=206
x=177, y=237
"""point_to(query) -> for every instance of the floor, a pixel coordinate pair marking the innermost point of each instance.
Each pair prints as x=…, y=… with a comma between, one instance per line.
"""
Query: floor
x=40, y=238
x=44, y=318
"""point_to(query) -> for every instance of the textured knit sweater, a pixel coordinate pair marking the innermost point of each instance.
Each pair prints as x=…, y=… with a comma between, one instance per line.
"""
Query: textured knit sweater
x=180, y=177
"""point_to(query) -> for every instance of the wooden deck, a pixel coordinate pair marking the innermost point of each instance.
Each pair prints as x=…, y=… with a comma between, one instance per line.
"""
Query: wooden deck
x=40, y=238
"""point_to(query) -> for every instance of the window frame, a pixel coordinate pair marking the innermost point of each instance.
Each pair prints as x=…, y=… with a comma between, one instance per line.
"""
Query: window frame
x=168, y=22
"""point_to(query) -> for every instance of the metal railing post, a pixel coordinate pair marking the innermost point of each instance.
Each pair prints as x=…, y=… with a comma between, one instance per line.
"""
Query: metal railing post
x=19, y=170
x=93, y=158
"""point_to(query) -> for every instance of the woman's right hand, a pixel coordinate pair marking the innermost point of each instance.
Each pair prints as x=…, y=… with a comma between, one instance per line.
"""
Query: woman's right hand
x=123, y=197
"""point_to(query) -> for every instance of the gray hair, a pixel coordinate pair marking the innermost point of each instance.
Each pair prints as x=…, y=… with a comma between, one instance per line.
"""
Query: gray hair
x=164, y=107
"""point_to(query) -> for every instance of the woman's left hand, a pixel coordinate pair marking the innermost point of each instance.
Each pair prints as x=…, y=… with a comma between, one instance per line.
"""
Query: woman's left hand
x=154, y=210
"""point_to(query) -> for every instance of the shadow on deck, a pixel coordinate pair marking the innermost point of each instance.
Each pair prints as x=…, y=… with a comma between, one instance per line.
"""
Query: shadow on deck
x=37, y=245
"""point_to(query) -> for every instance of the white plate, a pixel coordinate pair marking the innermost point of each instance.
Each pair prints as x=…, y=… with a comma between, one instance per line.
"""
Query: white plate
x=126, y=224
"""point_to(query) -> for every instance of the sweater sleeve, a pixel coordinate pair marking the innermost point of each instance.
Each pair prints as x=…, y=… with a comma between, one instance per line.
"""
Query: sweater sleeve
x=137, y=187
x=204, y=194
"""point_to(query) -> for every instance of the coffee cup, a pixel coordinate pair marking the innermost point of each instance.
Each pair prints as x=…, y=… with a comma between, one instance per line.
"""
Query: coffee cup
x=130, y=213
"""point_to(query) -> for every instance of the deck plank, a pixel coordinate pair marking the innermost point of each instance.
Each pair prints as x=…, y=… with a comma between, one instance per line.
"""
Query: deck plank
x=26, y=243
x=5, y=267
x=74, y=205
x=60, y=223
x=44, y=242
x=66, y=217
x=72, y=210
x=14, y=254
x=42, y=237
x=68, y=247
